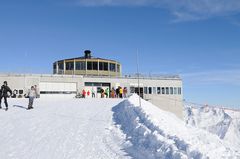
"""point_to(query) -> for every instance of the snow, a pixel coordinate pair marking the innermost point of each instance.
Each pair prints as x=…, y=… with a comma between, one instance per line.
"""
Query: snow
x=68, y=128
x=223, y=123
x=153, y=133
x=59, y=129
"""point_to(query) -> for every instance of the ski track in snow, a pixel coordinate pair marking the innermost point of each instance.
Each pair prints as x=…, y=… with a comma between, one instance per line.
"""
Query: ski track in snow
x=60, y=129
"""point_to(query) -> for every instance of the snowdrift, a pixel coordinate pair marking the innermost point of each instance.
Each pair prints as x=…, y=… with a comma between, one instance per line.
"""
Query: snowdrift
x=153, y=133
x=226, y=125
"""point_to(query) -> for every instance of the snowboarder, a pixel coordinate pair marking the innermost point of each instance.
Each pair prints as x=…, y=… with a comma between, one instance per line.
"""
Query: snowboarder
x=31, y=94
x=4, y=94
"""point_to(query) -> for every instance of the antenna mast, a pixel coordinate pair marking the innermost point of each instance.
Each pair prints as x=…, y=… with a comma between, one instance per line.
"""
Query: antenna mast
x=138, y=75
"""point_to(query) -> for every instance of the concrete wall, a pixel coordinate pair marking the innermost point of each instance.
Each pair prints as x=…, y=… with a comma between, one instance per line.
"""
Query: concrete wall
x=172, y=103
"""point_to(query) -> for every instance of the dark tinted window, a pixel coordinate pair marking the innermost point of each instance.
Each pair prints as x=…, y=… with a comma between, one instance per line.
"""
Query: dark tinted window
x=149, y=90
x=89, y=66
x=118, y=68
x=81, y=65
x=163, y=90
x=113, y=67
x=167, y=90
x=69, y=65
x=95, y=66
x=105, y=66
x=159, y=90
x=171, y=90
x=60, y=65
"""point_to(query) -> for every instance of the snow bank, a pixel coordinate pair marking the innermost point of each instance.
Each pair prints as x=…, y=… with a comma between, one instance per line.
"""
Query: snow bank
x=226, y=125
x=153, y=133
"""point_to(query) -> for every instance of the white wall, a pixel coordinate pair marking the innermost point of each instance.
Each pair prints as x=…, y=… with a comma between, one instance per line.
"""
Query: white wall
x=162, y=101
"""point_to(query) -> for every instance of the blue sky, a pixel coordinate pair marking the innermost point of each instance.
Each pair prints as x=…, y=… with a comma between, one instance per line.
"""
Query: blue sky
x=200, y=40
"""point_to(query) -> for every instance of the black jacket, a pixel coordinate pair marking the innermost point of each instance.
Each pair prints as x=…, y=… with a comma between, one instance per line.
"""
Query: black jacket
x=4, y=90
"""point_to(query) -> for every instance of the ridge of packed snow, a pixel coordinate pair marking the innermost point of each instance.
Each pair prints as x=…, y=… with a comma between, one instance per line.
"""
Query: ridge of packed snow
x=153, y=133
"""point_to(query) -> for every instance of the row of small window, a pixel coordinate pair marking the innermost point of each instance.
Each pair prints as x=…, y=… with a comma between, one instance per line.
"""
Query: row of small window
x=163, y=90
x=58, y=92
x=103, y=66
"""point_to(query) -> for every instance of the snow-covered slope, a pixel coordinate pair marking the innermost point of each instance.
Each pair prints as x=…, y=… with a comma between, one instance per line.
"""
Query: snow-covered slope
x=59, y=128
x=67, y=128
x=153, y=133
x=223, y=123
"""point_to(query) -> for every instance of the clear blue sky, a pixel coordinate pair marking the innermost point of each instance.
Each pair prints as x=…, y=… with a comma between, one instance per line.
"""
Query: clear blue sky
x=198, y=40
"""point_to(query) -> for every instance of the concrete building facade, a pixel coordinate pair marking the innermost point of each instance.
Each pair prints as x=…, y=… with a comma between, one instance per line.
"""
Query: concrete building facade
x=163, y=91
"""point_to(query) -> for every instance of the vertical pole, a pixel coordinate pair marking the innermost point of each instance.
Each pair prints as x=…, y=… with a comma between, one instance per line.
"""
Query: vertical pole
x=138, y=80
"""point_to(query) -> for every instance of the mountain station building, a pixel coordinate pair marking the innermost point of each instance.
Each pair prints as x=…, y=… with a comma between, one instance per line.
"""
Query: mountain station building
x=71, y=76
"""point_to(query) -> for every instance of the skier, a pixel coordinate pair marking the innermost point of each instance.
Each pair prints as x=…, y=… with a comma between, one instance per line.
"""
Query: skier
x=31, y=94
x=4, y=94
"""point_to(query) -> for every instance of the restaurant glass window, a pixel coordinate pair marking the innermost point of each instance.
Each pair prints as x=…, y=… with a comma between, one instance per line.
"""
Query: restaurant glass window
x=89, y=65
x=69, y=66
x=113, y=67
x=95, y=65
x=81, y=65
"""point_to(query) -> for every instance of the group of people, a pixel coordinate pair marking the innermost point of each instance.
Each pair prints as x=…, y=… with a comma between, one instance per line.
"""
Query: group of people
x=106, y=93
x=88, y=93
x=6, y=92
x=119, y=92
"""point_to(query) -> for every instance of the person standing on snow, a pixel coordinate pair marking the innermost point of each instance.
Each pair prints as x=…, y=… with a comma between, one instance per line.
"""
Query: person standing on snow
x=93, y=93
x=102, y=93
x=4, y=94
x=83, y=93
x=117, y=92
x=37, y=91
x=88, y=93
x=125, y=92
x=107, y=92
x=120, y=92
x=31, y=94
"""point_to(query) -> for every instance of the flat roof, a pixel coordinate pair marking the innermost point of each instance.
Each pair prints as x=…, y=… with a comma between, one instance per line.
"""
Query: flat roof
x=92, y=58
